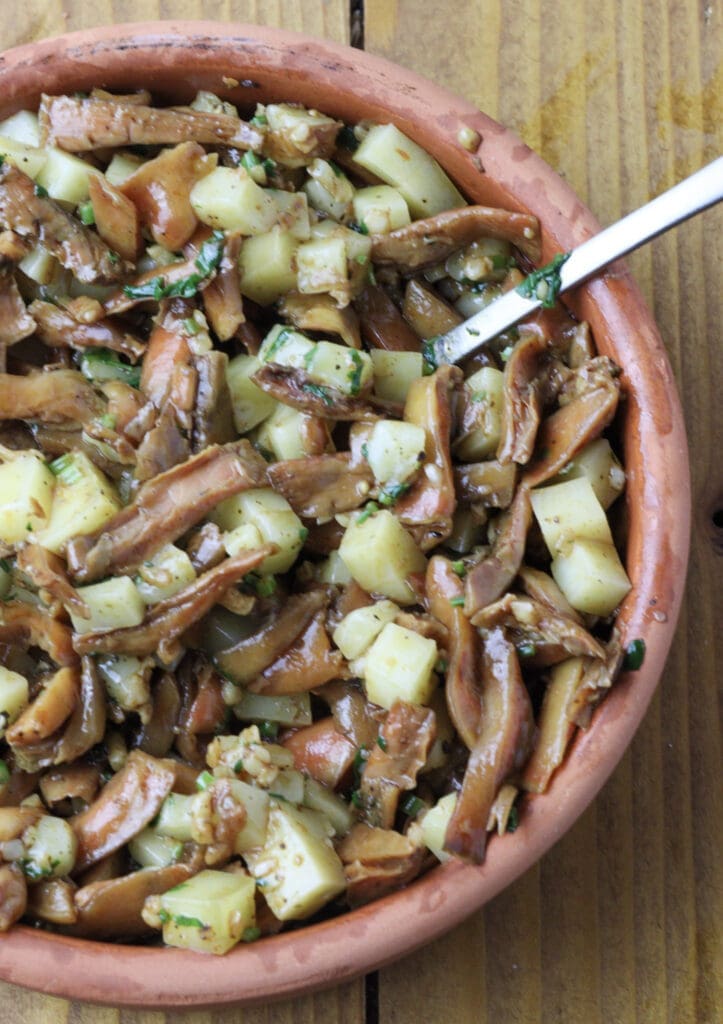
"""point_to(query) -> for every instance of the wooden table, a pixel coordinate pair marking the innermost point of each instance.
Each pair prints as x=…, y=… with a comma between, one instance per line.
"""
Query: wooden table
x=621, y=921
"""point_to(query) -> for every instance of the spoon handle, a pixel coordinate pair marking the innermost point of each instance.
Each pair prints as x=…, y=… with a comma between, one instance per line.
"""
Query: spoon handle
x=690, y=196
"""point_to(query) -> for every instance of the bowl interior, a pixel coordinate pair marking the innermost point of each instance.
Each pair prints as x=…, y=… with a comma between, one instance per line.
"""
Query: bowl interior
x=174, y=60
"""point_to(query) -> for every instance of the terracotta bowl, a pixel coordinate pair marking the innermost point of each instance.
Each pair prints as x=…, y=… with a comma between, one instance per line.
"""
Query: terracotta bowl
x=174, y=60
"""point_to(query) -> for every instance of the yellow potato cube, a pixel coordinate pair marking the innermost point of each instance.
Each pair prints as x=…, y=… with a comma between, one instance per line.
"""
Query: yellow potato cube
x=569, y=510
x=358, y=630
x=228, y=198
x=394, y=373
x=268, y=266
x=26, y=496
x=113, y=604
x=210, y=912
x=591, y=576
x=399, y=666
x=14, y=697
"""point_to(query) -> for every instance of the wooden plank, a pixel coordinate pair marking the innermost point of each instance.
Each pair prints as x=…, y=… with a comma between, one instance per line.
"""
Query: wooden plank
x=621, y=921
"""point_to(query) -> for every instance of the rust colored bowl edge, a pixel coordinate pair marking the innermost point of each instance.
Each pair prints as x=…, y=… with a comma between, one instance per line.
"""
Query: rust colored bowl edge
x=174, y=59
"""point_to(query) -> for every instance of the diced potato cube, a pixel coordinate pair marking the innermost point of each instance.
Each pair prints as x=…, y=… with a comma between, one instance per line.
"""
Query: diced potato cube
x=399, y=666
x=151, y=850
x=65, y=176
x=243, y=538
x=166, y=572
x=299, y=130
x=380, y=555
x=358, y=246
x=333, y=570
x=283, y=434
x=434, y=825
x=26, y=496
x=293, y=212
x=210, y=103
x=569, y=510
x=251, y=405
x=329, y=190
x=256, y=801
x=84, y=501
x=113, y=604
x=398, y=161
x=175, y=817
x=268, y=266
x=298, y=865
x=288, y=785
x=273, y=517
x=395, y=450
x=340, y=367
x=121, y=167
x=229, y=199
x=50, y=849
x=591, y=576
x=321, y=265
x=210, y=912
x=27, y=158
x=286, y=347
x=14, y=697
x=320, y=798
x=127, y=679
x=381, y=209
x=598, y=463
x=394, y=373
x=360, y=628
x=23, y=127
x=40, y=266
x=485, y=387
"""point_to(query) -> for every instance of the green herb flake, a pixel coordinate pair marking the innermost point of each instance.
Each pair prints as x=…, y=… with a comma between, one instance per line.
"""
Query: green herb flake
x=164, y=917
x=108, y=421
x=429, y=355
x=259, y=120
x=369, y=509
x=360, y=759
x=346, y=139
x=251, y=934
x=472, y=331
x=269, y=165
x=269, y=730
x=4, y=773
x=249, y=160
x=303, y=534
x=319, y=391
x=634, y=655
x=390, y=495
x=188, y=922
x=355, y=374
x=411, y=805
x=4, y=565
x=527, y=650
x=545, y=284
x=191, y=326
x=113, y=256
x=40, y=192
x=365, y=451
x=513, y=820
x=381, y=742
x=441, y=666
x=336, y=169
x=204, y=780
x=279, y=341
x=238, y=767
x=358, y=226
x=356, y=799
x=459, y=568
x=457, y=602
x=86, y=214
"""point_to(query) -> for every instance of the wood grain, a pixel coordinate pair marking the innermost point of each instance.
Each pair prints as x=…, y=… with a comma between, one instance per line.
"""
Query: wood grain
x=620, y=923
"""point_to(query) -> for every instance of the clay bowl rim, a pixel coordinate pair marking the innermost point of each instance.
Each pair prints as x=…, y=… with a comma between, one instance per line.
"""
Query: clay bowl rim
x=341, y=80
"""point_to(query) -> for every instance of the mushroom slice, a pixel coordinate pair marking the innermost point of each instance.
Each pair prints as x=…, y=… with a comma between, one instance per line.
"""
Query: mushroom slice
x=29, y=626
x=166, y=621
x=506, y=729
x=32, y=215
x=86, y=726
x=16, y=322
x=222, y=299
x=320, y=313
x=13, y=895
x=322, y=751
x=407, y=735
x=78, y=124
x=307, y=664
x=54, y=396
x=464, y=698
x=322, y=485
x=382, y=325
x=57, y=328
x=491, y=577
x=489, y=484
x=116, y=218
x=295, y=388
x=427, y=312
x=52, y=706
x=431, y=240
x=542, y=636
x=213, y=409
x=51, y=900
x=47, y=572
x=165, y=508
x=431, y=502
x=65, y=783
x=543, y=589
x=377, y=861
x=126, y=804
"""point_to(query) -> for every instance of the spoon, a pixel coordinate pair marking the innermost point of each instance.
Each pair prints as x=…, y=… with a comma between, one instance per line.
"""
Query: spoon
x=690, y=196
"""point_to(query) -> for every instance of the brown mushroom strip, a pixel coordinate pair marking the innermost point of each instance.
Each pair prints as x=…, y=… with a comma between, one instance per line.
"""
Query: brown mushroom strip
x=322, y=751
x=543, y=589
x=408, y=734
x=295, y=388
x=213, y=410
x=51, y=900
x=505, y=734
x=320, y=486
x=160, y=190
x=13, y=896
x=29, y=626
x=426, y=312
x=491, y=577
x=166, y=621
x=58, y=328
x=377, y=861
x=566, y=431
x=167, y=349
x=156, y=735
x=252, y=654
x=359, y=720
x=40, y=219
x=555, y=726
x=431, y=502
x=13, y=249
x=533, y=627
x=52, y=397
x=47, y=572
x=489, y=484
x=52, y=706
x=16, y=322
x=382, y=325
x=165, y=508
x=222, y=300
x=61, y=785
x=433, y=239
x=307, y=664
x=320, y=313
x=464, y=699
x=86, y=726
x=78, y=125
x=598, y=677
x=208, y=709
x=116, y=218
x=205, y=547
x=19, y=786
x=524, y=382
x=126, y=804
x=162, y=448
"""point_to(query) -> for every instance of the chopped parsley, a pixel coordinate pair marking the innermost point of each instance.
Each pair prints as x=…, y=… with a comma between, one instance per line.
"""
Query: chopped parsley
x=100, y=364
x=208, y=259
x=369, y=509
x=457, y=602
x=191, y=326
x=411, y=805
x=346, y=139
x=356, y=799
x=263, y=586
x=634, y=655
x=164, y=917
x=355, y=374
x=269, y=730
x=319, y=391
x=65, y=468
x=188, y=922
x=251, y=934
x=4, y=565
x=259, y=120
x=459, y=568
x=204, y=780
x=365, y=451
x=86, y=213
x=238, y=767
x=544, y=284
x=358, y=226
x=513, y=820
x=249, y=160
x=40, y=192
x=381, y=742
x=390, y=495
x=360, y=759
x=279, y=341
x=429, y=356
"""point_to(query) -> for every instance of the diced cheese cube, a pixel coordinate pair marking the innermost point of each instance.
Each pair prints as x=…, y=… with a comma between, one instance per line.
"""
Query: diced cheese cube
x=399, y=666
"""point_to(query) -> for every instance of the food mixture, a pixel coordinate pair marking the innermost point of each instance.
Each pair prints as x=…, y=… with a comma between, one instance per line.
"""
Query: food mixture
x=288, y=613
